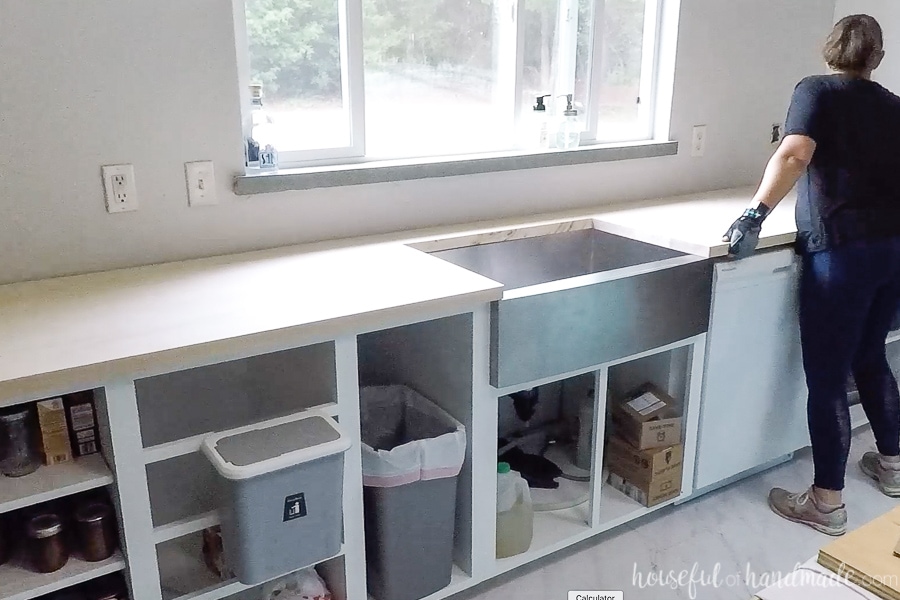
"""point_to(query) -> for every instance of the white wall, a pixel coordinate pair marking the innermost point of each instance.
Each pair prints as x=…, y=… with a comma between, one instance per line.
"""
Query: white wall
x=154, y=83
x=888, y=14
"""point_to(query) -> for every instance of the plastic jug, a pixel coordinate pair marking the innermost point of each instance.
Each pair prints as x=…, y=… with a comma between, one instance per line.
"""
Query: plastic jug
x=515, y=515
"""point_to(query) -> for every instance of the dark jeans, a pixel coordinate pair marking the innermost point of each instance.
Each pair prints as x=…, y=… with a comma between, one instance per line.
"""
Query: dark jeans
x=848, y=299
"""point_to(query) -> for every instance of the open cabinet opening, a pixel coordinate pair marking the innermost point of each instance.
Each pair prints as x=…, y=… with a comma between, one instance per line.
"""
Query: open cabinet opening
x=545, y=435
x=55, y=477
x=192, y=567
x=416, y=389
x=185, y=405
x=645, y=431
x=183, y=495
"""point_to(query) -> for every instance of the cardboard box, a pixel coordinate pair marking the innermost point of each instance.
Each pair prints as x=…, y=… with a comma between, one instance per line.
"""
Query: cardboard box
x=648, y=476
x=83, y=423
x=54, y=432
x=649, y=419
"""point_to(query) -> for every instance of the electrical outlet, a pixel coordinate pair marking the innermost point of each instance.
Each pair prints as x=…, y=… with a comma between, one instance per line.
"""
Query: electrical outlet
x=698, y=141
x=201, y=183
x=121, y=192
x=776, y=134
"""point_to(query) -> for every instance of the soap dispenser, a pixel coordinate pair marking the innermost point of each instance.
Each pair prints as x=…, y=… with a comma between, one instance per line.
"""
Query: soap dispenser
x=539, y=132
x=569, y=134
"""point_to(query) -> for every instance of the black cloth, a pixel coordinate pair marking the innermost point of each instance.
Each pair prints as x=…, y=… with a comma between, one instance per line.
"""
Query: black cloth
x=851, y=190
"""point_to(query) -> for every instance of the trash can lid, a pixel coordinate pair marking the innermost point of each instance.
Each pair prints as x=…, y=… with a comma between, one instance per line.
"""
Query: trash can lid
x=273, y=445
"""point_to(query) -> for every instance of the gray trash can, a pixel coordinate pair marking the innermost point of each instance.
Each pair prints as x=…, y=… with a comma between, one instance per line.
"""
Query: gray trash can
x=412, y=454
x=282, y=483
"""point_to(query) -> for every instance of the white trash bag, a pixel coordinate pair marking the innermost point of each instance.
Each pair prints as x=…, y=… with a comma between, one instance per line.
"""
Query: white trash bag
x=407, y=438
x=302, y=585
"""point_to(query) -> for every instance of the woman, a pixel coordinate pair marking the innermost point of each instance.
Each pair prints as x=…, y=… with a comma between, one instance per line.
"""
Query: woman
x=842, y=144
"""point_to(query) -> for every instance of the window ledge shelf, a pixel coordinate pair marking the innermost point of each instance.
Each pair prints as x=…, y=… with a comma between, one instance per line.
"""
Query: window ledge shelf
x=406, y=170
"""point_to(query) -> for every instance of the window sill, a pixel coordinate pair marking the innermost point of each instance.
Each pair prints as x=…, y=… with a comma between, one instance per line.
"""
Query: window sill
x=406, y=170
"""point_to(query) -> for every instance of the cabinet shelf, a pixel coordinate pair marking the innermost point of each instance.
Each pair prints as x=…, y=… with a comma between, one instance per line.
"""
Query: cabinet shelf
x=177, y=529
x=617, y=509
x=459, y=581
x=553, y=530
x=217, y=592
x=18, y=583
x=184, y=576
x=49, y=483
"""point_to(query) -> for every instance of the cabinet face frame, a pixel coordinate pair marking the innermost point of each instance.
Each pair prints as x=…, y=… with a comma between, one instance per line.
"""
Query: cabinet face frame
x=678, y=369
x=129, y=455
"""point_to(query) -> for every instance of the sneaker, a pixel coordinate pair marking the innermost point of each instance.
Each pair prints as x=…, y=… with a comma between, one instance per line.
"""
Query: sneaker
x=888, y=478
x=802, y=508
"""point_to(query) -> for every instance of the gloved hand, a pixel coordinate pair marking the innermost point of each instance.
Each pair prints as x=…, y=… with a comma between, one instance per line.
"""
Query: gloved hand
x=743, y=235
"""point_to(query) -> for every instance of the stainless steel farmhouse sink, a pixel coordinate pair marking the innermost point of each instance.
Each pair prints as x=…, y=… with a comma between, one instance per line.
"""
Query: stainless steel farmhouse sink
x=581, y=298
x=548, y=258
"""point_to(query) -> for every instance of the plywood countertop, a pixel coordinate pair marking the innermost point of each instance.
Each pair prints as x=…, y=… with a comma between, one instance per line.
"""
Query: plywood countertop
x=695, y=224
x=83, y=328
x=70, y=332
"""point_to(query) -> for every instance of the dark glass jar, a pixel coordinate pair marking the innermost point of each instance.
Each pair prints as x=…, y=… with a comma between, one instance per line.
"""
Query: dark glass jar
x=68, y=595
x=111, y=587
x=96, y=529
x=19, y=455
x=47, y=545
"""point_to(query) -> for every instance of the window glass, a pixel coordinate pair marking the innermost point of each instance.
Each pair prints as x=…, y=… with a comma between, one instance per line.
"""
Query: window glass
x=295, y=55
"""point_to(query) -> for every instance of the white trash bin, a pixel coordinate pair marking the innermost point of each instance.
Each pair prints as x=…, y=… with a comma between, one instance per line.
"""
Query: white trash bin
x=281, y=504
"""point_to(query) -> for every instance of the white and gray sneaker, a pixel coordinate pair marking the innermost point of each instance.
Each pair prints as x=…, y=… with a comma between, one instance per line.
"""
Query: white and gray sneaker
x=886, y=474
x=803, y=508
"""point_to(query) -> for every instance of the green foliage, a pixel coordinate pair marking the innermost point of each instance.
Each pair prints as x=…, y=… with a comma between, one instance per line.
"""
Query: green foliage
x=428, y=32
x=295, y=48
x=624, y=27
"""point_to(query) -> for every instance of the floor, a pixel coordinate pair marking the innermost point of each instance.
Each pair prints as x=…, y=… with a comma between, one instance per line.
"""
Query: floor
x=727, y=542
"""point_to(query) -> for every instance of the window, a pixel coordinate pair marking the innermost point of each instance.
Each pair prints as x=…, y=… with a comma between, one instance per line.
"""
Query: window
x=359, y=80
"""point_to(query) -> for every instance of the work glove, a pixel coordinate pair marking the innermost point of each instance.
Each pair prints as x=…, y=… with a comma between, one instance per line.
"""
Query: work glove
x=743, y=235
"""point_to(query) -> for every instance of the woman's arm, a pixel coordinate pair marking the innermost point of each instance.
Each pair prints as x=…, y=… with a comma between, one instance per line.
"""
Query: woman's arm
x=782, y=173
x=784, y=170
x=807, y=121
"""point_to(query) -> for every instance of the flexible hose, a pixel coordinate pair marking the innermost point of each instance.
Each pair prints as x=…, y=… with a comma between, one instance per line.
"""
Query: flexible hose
x=524, y=438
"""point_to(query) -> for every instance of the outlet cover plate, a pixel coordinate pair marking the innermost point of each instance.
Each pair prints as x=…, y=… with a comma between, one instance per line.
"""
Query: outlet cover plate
x=120, y=188
x=698, y=141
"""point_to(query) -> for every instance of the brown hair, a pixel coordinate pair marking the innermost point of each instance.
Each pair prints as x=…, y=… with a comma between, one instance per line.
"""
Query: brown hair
x=853, y=44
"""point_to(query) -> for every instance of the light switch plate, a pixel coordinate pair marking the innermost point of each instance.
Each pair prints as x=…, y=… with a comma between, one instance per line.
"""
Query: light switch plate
x=201, y=183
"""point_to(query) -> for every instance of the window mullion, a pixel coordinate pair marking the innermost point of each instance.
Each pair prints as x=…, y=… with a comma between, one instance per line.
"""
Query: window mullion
x=567, y=48
x=519, y=85
x=509, y=60
x=243, y=64
x=595, y=73
x=353, y=74
x=649, y=65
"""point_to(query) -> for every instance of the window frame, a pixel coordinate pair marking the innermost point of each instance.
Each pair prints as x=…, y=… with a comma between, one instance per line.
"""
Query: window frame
x=509, y=88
